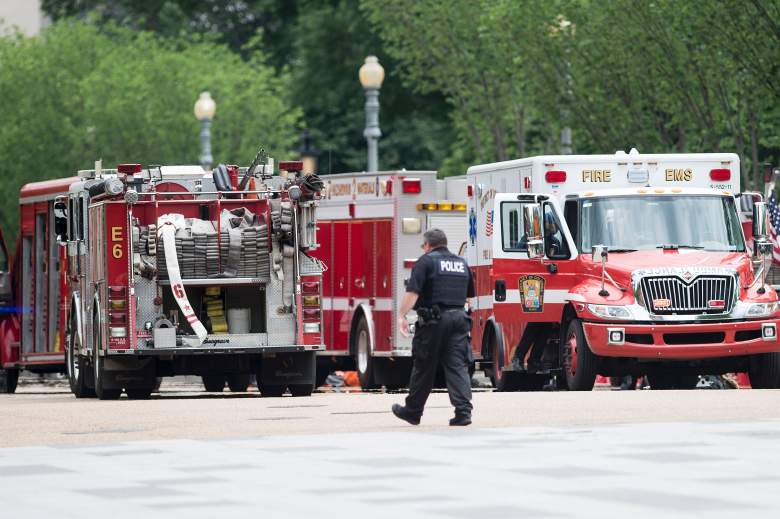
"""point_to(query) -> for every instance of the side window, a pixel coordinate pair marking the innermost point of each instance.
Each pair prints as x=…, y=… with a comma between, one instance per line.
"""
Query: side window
x=513, y=237
x=555, y=246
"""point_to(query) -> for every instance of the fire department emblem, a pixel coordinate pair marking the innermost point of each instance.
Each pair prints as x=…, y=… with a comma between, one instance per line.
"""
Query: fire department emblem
x=687, y=275
x=532, y=293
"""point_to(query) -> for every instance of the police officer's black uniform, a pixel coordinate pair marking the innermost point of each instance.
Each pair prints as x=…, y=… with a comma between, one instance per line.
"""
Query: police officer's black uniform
x=443, y=281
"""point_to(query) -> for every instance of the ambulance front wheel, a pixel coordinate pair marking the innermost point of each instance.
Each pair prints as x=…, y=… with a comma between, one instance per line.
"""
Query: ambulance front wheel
x=364, y=361
x=764, y=371
x=580, y=365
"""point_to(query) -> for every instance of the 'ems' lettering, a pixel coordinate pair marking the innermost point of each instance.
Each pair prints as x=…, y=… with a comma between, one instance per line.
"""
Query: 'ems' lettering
x=452, y=266
x=679, y=175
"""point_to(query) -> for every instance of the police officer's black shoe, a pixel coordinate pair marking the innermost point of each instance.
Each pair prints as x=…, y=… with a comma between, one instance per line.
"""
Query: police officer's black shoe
x=461, y=419
x=401, y=412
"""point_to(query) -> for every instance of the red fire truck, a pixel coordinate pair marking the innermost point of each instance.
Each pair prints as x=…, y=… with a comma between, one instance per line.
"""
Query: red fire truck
x=618, y=264
x=170, y=270
x=370, y=231
x=34, y=290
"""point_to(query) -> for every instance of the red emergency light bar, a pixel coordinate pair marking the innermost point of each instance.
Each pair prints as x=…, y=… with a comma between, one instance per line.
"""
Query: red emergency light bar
x=720, y=174
x=555, y=176
x=128, y=169
x=411, y=185
x=291, y=165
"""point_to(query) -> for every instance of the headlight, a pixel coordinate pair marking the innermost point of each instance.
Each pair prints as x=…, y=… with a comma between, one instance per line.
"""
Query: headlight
x=610, y=311
x=762, y=309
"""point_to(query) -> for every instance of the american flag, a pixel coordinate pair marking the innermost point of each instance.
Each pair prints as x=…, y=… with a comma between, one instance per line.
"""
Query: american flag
x=773, y=208
x=489, y=225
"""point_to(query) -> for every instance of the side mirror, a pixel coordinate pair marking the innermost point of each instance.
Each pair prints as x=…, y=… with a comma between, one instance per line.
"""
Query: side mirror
x=532, y=227
x=61, y=220
x=599, y=253
x=760, y=227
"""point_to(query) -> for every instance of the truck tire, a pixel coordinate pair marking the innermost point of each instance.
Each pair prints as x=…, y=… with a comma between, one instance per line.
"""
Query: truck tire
x=580, y=365
x=238, y=382
x=301, y=389
x=363, y=360
x=665, y=381
x=214, y=383
x=77, y=377
x=502, y=380
x=764, y=371
x=9, y=378
x=139, y=393
x=97, y=362
x=271, y=390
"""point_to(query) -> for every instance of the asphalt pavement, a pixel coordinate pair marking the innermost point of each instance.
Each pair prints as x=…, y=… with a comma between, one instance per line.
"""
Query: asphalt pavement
x=187, y=453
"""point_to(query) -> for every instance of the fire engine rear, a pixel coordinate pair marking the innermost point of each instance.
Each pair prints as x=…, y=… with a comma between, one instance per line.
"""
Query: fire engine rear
x=619, y=264
x=173, y=270
x=371, y=227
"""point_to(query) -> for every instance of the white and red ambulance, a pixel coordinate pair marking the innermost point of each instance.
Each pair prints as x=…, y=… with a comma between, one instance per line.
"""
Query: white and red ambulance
x=370, y=228
x=618, y=264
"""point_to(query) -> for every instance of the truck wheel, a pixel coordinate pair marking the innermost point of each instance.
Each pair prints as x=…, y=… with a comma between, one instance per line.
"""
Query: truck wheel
x=502, y=380
x=9, y=378
x=672, y=381
x=214, y=383
x=139, y=393
x=270, y=390
x=301, y=389
x=101, y=392
x=365, y=363
x=238, y=382
x=580, y=365
x=764, y=371
x=77, y=377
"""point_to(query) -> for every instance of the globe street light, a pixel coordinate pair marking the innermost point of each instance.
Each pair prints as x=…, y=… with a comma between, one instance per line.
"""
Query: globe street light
x=371, y=76
x=205, y=107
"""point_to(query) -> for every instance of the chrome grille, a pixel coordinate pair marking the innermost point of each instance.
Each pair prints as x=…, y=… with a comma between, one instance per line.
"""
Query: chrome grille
x=665, y=295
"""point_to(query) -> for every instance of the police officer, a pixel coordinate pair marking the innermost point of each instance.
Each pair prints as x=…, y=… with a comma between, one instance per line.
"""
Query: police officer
x=438, y=289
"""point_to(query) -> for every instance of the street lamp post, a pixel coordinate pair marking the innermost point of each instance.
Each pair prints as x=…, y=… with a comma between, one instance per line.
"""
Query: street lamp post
x=371, y=76
x=205, y=107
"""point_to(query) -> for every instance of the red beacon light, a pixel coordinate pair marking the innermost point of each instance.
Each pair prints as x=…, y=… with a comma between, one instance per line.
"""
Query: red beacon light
x=555, y=176
x=469, y=190
x=128, y=169
x=411, y=185
x=291, y=165
x=720, y=174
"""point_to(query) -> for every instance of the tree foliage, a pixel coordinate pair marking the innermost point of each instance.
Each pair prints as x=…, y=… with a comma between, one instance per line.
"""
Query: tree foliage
x=662, y=76
x=78, y=93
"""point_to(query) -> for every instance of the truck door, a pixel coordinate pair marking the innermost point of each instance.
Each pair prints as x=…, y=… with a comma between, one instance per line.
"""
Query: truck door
x=533, y=265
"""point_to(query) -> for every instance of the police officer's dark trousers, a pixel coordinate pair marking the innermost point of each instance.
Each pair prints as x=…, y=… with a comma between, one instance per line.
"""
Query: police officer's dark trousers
x=445, y=341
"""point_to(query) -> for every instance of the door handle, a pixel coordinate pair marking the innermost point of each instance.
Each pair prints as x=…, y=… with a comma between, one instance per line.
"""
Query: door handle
x=360, y=282
x=500, y=290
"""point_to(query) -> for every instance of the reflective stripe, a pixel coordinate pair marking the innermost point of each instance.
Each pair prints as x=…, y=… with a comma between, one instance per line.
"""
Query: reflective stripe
x=551, y=296
x=381, y=304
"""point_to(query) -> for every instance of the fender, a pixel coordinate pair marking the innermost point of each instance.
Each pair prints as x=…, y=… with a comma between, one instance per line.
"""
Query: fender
x=75, y=308
x=366, y=310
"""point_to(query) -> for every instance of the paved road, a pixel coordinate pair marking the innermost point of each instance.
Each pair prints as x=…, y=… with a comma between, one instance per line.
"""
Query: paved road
x=644, y=454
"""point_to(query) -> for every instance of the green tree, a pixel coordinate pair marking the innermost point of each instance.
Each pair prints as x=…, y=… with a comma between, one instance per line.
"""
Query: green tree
x=78, y=93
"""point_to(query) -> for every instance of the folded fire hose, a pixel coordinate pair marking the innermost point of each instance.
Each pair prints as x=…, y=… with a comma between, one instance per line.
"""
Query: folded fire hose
x=167, y=225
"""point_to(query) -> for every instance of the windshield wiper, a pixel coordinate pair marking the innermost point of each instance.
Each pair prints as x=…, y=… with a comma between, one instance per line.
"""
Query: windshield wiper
x=674, y=246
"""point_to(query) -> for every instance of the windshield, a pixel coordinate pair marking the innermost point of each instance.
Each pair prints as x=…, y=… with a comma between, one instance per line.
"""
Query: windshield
x=649, y=222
